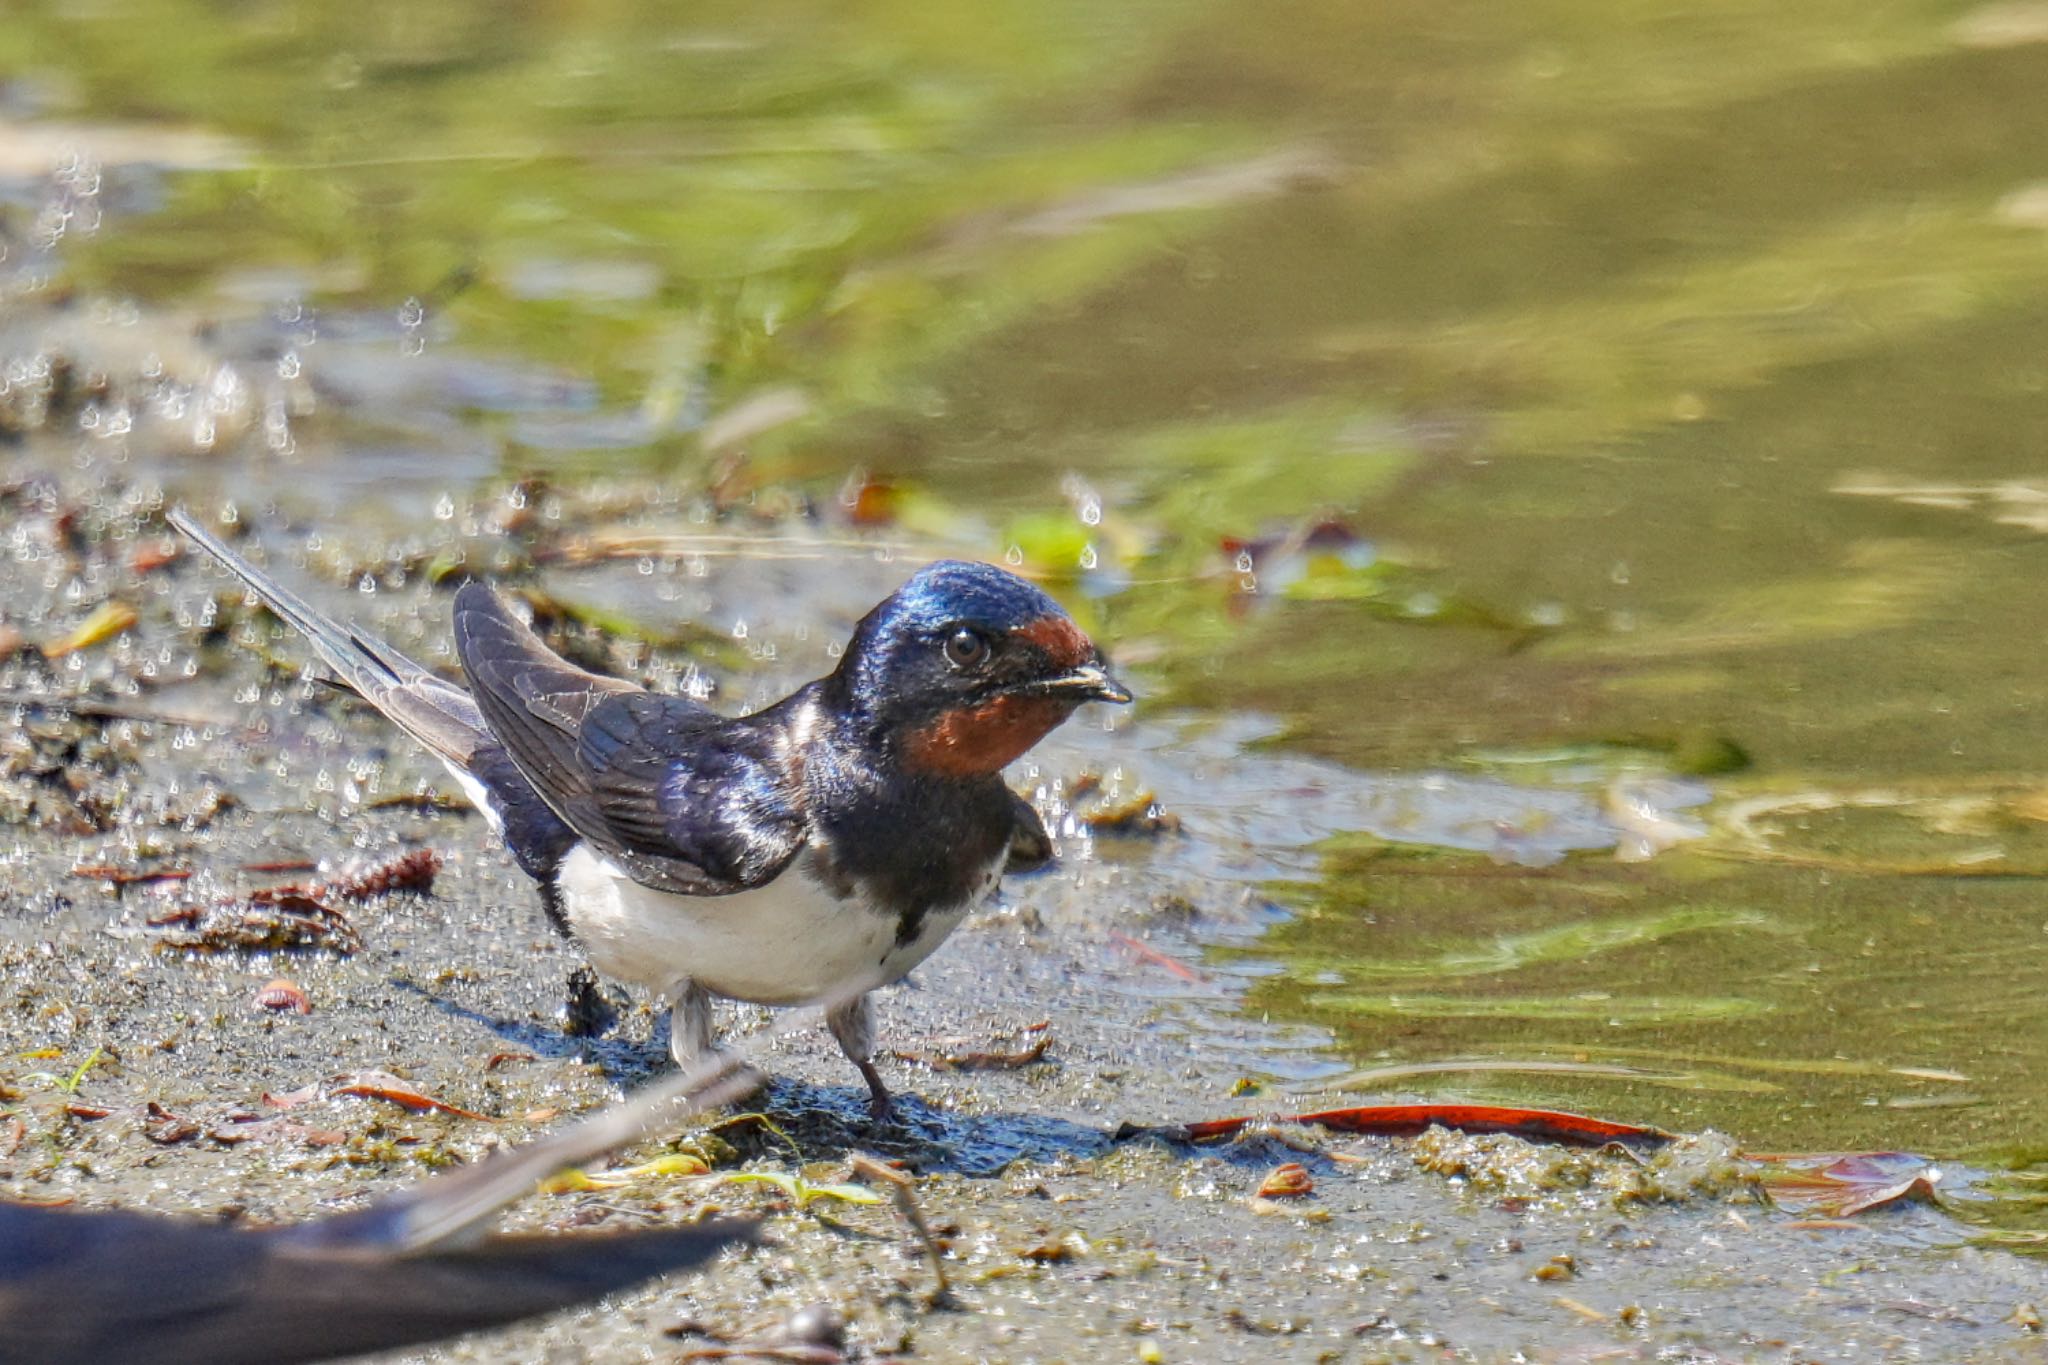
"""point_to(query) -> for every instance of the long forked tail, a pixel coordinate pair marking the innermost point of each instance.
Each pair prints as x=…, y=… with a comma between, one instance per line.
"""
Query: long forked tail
x=434, y=711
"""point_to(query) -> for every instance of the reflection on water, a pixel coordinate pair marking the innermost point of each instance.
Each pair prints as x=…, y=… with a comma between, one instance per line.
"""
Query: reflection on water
x=1654, y=388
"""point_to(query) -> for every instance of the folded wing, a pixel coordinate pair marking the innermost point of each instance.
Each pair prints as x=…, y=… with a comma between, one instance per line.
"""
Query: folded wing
x=679, y=797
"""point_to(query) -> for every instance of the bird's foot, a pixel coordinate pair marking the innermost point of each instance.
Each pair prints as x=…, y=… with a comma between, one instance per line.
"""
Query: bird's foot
x=587, y=1012
x=882, y=1110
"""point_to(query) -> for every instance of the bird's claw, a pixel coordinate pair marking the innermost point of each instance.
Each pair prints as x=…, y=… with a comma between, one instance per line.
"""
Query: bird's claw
x=882, y=1111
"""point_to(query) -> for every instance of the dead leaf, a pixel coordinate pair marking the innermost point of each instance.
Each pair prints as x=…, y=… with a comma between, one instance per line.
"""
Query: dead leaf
x=382, y=1085
x=291, y=1099
x=1841, y=1185
x=109, y=620
x=150, y=555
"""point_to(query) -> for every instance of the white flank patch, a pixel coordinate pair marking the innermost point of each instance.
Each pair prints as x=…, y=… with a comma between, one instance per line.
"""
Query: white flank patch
x=788, y=942
x=479, y=795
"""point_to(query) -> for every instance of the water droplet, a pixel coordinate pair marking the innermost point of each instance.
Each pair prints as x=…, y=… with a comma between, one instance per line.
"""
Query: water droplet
x=1014, y=556
x=1088, y=556
x=739, y=630
x=1091, y=511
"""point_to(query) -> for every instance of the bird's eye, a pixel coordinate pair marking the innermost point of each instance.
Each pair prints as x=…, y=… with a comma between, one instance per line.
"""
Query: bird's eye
x=965, y=648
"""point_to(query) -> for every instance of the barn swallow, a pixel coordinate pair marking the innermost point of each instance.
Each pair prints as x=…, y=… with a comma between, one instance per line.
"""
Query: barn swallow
x=820, y=847
x=83, y=1286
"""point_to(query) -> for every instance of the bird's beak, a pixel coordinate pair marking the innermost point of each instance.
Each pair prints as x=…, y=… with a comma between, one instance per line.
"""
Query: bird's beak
x=1090, y=682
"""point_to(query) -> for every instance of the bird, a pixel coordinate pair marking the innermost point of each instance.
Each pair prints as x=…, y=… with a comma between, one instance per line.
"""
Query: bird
x=821, y=847
x=79, y=1286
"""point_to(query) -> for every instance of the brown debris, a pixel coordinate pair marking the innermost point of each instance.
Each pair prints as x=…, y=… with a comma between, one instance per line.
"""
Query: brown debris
x=295, y=916
x=236, y=1129
x=413, y=871
x=1140, y=815
x=165, y=1128
x=280, y=919
x=989, y=1059
x=118, y=877
x=1054, y=1250
x=1289, y=1181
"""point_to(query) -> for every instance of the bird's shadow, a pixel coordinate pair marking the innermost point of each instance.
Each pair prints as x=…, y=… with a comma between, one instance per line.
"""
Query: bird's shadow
x=621, y=1059
x=819, y=1119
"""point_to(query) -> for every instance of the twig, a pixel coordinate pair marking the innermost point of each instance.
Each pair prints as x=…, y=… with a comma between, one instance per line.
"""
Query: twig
x=900, y=1191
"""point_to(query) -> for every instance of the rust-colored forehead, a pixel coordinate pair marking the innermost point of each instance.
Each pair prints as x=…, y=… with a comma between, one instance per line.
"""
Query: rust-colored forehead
x=1062, y=640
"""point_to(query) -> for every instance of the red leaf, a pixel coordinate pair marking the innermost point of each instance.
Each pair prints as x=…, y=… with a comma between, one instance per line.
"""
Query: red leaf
x=382, y=1085
x=1407, y=1120
x=1154, y=956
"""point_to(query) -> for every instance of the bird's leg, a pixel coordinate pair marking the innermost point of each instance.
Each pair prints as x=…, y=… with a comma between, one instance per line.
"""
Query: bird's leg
x=690, y=1035
x=853, y=1028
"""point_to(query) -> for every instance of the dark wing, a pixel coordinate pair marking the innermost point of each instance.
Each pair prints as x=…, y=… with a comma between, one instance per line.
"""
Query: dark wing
x=1030, y=845
x=682, y=799
x=671, y=778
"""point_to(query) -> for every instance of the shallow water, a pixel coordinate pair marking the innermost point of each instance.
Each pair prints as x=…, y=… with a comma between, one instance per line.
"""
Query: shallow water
x=1674, y=380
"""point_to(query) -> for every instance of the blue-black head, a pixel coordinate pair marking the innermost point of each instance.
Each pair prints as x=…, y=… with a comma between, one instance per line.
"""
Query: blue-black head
x=967, y=665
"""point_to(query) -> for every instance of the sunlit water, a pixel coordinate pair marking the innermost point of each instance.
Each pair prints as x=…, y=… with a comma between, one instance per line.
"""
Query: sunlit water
x=1671, y=382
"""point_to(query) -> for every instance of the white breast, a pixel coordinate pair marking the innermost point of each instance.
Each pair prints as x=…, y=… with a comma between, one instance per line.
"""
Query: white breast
x=783, y=944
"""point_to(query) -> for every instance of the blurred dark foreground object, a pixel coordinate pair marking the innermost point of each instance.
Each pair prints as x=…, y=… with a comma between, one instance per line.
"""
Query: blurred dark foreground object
x=148, y=1290
x=142, y=1289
